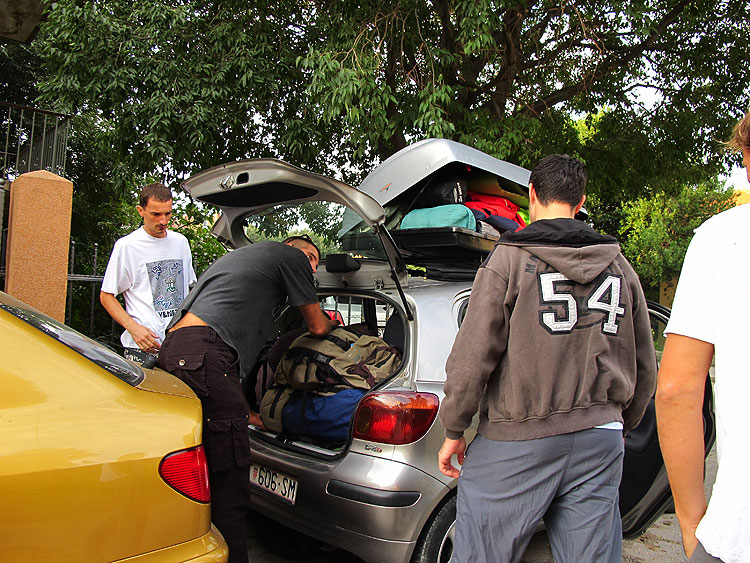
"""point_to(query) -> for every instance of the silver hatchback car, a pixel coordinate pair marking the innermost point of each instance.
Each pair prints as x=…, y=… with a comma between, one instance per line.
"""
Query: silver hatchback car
x=379, y=494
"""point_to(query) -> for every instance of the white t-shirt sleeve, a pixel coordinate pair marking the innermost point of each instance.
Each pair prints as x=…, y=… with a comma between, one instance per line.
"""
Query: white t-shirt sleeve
x=695, y=303
x=118, y=277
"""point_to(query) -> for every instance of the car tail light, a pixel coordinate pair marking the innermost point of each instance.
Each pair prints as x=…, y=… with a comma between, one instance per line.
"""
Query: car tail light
x=399, y=417
x=186, y=472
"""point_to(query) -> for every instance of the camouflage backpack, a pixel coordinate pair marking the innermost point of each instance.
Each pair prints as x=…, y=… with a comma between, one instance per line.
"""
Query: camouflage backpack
x=344, y=357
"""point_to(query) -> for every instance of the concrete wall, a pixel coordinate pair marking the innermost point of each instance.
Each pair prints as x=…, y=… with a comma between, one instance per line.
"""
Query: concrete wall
x=36, y=269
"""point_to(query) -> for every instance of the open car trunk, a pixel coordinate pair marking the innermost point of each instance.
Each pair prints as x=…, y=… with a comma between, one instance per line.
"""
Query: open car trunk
x=315, y=411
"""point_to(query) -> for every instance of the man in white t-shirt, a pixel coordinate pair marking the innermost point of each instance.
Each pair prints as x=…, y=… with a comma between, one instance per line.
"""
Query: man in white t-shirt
x=152, y=267
x=711, y=315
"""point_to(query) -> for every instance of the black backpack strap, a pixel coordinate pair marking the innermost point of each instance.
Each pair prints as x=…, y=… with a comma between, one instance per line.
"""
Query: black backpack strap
x=248, y=383
x=340, y=342
x=334, y=379
x=333, y=339
x=304, y=407
x=279, y=391
x=297, y=354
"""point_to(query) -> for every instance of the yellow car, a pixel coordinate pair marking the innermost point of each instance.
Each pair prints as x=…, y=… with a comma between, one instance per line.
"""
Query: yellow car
x=100, y=460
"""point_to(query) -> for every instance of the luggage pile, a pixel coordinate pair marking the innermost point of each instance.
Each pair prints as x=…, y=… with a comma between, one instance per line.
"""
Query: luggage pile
x=319, y=381
x=477, y=203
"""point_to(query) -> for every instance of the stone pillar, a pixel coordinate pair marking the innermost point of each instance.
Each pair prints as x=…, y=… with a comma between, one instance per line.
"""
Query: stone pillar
x=36, y=268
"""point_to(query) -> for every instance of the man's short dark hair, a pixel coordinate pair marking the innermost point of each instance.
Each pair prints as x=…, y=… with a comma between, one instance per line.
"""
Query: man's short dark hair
x=559, y=178
x=305, y=238
x=157, y=192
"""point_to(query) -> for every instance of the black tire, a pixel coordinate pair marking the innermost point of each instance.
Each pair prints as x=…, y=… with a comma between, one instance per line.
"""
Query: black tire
x=435, y=544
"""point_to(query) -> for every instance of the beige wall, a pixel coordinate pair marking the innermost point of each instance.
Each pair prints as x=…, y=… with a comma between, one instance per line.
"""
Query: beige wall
x=36, y=269
x=667, y=291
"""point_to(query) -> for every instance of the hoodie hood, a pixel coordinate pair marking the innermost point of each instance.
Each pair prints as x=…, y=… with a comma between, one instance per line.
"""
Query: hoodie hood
x=571, y=247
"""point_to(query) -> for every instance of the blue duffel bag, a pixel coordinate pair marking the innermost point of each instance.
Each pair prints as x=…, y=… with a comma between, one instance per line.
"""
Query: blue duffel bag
x=322, y=416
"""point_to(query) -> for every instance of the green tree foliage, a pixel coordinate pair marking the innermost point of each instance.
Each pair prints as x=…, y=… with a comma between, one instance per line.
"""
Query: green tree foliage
x=514, y=78
x=105, y=194
x=658, y=230
x=195, y=221
x=18, y=74
x=338, y=86
x=185, y=84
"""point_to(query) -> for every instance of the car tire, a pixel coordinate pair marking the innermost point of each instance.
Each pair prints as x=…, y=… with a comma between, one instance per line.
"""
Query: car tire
x=435, y=544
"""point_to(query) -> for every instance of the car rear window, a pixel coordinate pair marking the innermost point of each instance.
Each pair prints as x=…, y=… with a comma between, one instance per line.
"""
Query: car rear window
x=97, y=353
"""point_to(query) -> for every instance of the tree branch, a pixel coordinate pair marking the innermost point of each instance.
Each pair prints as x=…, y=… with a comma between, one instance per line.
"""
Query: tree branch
x=624, y=57
x=397, y=140
x=511, y=58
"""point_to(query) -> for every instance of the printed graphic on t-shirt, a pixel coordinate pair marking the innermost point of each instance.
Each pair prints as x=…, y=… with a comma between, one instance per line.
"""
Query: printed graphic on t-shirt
x=167, y=285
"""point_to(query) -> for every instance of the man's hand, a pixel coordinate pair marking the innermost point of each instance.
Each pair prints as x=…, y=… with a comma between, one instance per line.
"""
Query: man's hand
x=255, y=419
x=450, y=448
x=333, y=322
x=318, y=323
x=145, y=338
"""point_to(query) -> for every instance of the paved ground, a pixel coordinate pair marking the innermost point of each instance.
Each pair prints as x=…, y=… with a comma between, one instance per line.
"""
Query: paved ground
x=661, y=543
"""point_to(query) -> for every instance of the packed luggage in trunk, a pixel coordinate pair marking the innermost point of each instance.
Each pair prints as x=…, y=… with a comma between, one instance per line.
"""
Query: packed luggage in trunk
x=307, y=388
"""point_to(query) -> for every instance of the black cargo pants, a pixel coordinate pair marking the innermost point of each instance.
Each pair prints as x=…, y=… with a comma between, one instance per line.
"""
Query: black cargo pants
x=200, y=358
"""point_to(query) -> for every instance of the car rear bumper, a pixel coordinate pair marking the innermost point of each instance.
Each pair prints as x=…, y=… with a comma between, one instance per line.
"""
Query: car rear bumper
x=368, y=548
x=210, y=548
x=371, y=506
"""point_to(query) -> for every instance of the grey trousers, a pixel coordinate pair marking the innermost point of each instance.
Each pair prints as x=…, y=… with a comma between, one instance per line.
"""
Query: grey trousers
x=700, y=555
x=570, y=481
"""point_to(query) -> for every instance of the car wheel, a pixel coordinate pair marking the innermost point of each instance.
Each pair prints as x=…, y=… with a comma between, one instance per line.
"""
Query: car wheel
x=435, y=544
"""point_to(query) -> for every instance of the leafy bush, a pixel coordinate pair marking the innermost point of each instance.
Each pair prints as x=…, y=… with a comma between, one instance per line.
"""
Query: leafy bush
x=656, y=231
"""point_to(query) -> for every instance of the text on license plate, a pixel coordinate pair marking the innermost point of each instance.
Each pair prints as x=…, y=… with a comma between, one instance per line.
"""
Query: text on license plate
x=274, y=482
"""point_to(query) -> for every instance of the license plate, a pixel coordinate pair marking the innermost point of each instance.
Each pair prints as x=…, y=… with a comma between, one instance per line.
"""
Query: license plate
x=274, y=482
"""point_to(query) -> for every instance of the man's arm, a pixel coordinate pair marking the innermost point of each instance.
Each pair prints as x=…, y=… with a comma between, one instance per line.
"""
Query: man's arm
x=317, y=322
x=146, y=339
x=679, y=402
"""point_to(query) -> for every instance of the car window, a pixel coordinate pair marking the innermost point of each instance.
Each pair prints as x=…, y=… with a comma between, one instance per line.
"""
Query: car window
x=463, y=306
x=359, y=239
x=100, y=355
x=320, y=217
x=658, y=324
x=350, y=309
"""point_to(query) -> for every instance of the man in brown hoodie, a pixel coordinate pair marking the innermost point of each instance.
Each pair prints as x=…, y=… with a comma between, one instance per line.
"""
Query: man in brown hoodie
x=556, y=355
